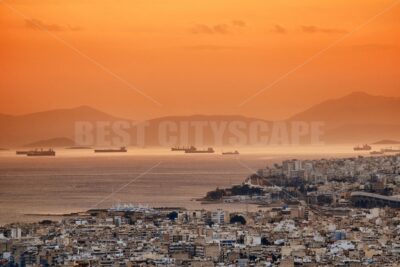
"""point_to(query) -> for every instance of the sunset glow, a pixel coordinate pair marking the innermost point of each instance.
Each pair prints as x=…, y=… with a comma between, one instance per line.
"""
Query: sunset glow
x=194, y=57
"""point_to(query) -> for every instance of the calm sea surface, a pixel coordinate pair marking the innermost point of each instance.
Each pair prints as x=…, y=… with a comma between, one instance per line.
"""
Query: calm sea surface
x=79, y=180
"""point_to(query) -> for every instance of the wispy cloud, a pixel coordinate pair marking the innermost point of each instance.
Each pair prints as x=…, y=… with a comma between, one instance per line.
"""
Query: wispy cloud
x=36, y=24
x=279, y=29
x=214, y=29
x=222, y=28
x=238, y=23
x=316, y=29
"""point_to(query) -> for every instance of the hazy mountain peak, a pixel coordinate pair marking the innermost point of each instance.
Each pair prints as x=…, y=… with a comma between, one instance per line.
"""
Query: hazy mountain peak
x=364, y=95
x=52, y=142
x=355, y=108
x=85, y=108
x=358, y=94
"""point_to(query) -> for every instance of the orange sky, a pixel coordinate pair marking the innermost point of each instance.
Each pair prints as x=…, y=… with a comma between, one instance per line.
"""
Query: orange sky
x=194, y=56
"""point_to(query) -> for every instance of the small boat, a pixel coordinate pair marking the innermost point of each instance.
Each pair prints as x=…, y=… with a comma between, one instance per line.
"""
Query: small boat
x=363, y=148
x=193, y=149
x=177, y=148
x=41, y=152
x=111, y=150
x=231, y=153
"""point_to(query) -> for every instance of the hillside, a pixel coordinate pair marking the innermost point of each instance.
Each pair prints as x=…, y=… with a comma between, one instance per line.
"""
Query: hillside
x=53, y=142
x=26, y=129
x=357, y=108
x=45, y=128
x=356, y=118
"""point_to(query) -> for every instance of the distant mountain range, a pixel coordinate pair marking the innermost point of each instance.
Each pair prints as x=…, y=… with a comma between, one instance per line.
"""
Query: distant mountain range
x=34, y=127
x=356, y=118
x=52, y=142
x=56, y=128
x=357, y=108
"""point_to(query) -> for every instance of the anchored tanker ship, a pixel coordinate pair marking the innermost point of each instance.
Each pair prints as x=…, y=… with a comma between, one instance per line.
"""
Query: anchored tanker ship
x=41, y=152
x=177, y=148
x=193, y=149
x=231, y=153
x=110, y=150
x=363, y=148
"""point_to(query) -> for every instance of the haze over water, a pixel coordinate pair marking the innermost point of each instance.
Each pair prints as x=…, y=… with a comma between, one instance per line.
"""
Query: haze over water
x=76, y=180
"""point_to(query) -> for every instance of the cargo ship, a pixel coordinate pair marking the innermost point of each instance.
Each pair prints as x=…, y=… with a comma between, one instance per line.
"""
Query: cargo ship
x=231, y=153
x=193, y=149
x=41, y=152
x=21, y=152
x=110, y=150
x=363, y=148
x=177, y=148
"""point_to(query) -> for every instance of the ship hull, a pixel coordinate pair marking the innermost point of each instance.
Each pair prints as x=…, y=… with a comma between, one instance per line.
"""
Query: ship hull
x=108, y=151
x=362, y=149
x=178, y=149
x=199, y=152
x=41, y=154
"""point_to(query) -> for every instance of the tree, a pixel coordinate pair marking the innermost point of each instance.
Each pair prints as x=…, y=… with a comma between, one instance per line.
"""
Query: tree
x=265, y=241
x=215, y=195
x=210, y=223
x=172, y=215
